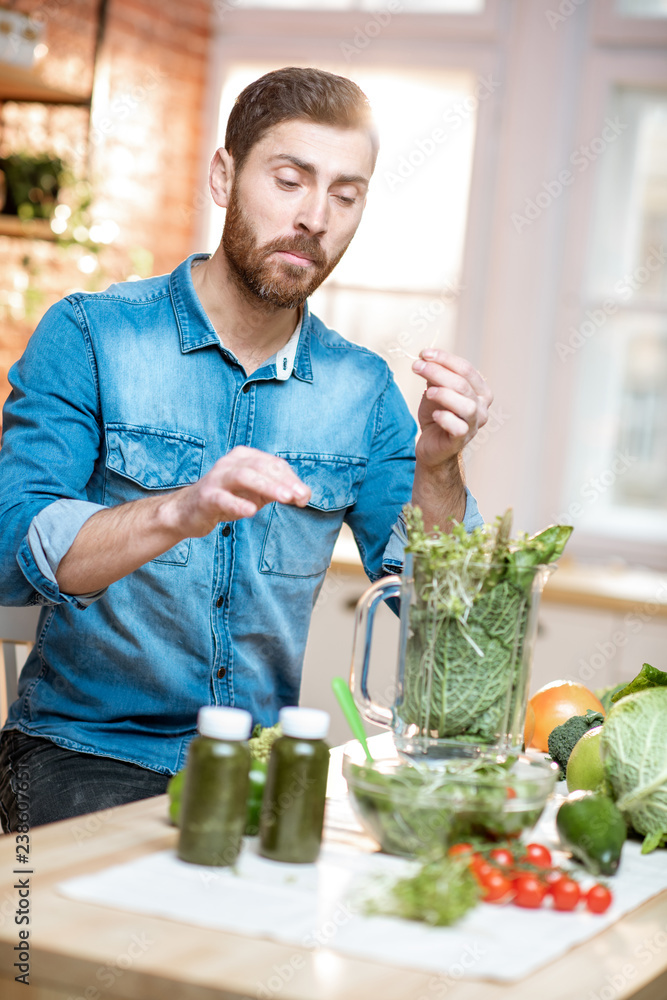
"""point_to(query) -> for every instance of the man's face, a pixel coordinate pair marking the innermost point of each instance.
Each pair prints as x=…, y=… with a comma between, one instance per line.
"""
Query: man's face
x=294, y=207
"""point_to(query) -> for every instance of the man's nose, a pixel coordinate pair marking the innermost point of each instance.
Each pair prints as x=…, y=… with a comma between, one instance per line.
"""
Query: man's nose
x=313, y=214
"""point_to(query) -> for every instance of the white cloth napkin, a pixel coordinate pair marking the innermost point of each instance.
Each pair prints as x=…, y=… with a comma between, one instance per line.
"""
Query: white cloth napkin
x=317, y=906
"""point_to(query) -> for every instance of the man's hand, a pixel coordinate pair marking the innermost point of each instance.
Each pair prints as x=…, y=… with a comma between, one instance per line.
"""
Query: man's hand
x=453, y=408
x=237, y=486
x=116, y=541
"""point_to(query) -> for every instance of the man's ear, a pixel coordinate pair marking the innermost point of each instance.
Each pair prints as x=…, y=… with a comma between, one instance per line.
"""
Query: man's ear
x=221, y=177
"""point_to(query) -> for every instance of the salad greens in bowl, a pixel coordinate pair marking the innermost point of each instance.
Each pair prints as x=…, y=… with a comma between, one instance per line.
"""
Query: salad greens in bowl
x=419, y=811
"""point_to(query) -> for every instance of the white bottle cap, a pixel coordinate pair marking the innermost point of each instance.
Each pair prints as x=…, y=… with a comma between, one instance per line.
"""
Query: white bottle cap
x=222, y=723
x=304, y=723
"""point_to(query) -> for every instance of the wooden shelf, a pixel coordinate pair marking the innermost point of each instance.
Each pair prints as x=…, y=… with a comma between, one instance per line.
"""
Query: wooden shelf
x=31, y=229
x=18, y=84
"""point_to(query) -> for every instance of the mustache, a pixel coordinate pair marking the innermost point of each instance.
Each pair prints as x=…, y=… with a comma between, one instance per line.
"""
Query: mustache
x=307, y=245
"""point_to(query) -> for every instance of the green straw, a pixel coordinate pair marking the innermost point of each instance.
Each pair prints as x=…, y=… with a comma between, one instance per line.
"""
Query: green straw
x=350, y=711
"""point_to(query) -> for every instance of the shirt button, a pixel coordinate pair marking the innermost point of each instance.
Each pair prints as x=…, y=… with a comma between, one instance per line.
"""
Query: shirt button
x=221, y=672
x=220, y=601
x=246, y=387
x=226, y=530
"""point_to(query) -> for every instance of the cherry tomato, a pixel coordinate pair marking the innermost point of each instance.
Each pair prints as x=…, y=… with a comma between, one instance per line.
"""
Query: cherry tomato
x=566, y=893
x=538, y=855
x=482, y=869
x=511, y=794
x=552, y=877
x=459, y=849
x=502, y=856
x=598, y=899
x=529, y=891
x=496, y=888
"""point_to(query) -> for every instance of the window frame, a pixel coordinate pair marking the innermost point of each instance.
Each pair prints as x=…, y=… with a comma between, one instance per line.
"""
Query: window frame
x=604, y=71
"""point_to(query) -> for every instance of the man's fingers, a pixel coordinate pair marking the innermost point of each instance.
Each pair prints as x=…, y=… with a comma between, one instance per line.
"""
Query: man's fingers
x=260, y=477
x=227, y=506
x=449, y=422
x=463, y=406
x=443, y=368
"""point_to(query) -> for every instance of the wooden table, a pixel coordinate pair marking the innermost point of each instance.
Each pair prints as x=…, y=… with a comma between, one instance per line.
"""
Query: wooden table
x=81, y=950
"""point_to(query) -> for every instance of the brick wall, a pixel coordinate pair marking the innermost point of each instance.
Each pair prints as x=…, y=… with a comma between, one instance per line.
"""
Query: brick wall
x=144, y=151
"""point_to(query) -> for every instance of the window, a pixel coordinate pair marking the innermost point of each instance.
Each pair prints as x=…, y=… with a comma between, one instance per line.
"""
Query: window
x=619, y=445
x=641, y=8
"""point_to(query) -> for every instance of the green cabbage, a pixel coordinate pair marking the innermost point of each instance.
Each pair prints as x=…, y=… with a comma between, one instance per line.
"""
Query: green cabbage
x=463, y=670
x=634, y=756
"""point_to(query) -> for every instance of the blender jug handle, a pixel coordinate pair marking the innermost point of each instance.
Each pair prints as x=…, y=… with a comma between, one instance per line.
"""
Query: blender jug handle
x=379, y=715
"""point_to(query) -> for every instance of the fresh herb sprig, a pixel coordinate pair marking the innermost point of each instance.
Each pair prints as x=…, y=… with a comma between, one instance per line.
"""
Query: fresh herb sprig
x=468, y=622
x=439, y=893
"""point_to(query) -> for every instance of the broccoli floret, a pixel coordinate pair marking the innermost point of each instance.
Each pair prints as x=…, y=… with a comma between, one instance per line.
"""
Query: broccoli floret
x=562, y=739
x=262, y=740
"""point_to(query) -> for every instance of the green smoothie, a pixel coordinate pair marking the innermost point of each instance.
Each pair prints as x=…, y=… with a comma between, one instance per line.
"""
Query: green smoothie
x=293, y=808
x=213, y=810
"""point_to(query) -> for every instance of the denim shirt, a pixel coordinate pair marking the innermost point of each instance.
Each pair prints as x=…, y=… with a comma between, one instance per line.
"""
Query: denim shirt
x=125, y=393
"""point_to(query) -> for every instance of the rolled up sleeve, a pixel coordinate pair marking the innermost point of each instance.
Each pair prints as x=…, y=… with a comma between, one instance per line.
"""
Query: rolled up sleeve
x=49, y=537
x=393, y=554
x=50, y=445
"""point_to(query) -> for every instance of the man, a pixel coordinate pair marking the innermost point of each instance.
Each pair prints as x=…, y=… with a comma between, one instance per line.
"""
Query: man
x=180, y=453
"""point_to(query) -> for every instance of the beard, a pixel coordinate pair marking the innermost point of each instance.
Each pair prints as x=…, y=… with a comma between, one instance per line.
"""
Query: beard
x=273, y=281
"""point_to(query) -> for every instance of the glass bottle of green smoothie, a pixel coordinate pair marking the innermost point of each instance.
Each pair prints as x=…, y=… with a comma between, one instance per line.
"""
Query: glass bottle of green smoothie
x=213, y=810
x=293, y=806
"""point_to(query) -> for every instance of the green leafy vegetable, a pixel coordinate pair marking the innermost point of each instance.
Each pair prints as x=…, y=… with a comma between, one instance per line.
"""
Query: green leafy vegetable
x=605, y=695
x=440, y=893
x=463, y=663
x=415, y=811
x=634, y=756
x=175, y=793
x=648, y=677
x=563, y=738
x=262, y=740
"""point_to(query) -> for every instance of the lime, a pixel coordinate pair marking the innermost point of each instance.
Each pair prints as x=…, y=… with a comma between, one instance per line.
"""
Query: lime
x=584, y=768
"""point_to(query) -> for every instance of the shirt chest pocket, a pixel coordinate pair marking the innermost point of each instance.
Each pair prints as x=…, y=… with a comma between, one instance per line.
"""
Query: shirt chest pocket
x=142, y=462
x=298, y=541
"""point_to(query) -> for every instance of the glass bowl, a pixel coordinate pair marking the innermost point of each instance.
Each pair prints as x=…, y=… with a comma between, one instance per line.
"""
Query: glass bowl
x=416, y=811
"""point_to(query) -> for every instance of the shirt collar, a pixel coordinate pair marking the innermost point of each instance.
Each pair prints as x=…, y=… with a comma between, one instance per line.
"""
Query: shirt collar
x=195, y=329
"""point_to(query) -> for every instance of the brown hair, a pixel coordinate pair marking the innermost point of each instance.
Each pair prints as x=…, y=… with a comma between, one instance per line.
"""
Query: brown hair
x=291, y=93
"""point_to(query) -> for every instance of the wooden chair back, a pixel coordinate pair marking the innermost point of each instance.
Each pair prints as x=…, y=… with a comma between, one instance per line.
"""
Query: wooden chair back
x=18, y=627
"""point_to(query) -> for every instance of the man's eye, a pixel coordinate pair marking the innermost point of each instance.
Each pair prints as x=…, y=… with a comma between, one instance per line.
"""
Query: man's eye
x=344, y=200
x=290, y=185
